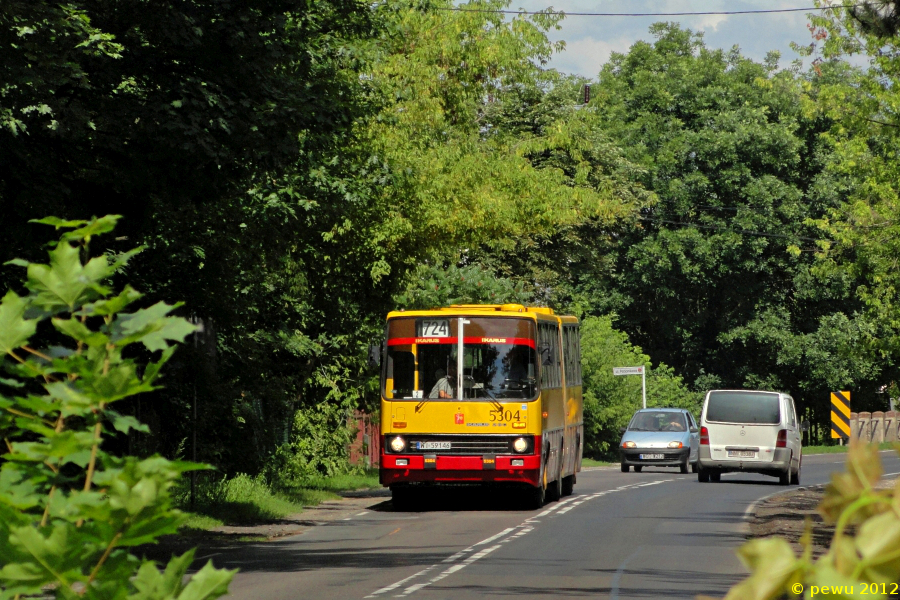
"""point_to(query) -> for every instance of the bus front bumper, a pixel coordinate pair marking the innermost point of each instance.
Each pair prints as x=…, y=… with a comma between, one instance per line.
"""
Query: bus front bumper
x=459, y=469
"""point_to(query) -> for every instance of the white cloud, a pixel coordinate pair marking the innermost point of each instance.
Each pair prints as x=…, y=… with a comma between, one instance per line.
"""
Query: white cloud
x=710, y=22
x=585, y=56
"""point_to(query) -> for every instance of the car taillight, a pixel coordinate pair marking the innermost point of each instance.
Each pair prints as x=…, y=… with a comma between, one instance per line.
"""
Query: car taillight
x=704, y=436
x=781, y=440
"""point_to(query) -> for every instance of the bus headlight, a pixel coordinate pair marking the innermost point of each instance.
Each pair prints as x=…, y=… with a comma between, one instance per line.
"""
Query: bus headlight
x=398, y=444
x=520, y=445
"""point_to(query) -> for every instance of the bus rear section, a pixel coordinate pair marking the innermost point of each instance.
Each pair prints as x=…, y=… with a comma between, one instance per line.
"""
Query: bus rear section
x=464, y=402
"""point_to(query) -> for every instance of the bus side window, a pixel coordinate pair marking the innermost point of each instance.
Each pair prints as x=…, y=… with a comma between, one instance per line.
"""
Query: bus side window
x=548, y=337
x=401, y=368
x=577, y=356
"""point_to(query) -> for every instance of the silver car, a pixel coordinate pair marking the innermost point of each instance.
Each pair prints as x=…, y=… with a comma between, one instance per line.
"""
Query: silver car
x=660, y=437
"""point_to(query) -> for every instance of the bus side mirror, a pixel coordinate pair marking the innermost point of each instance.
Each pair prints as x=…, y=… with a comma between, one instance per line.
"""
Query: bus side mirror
x=546, y=354
x=374, y=356
x=804, y=426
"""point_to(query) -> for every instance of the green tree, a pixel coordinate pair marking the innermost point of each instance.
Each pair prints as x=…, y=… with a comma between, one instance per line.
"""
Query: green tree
x=69, y=510
x=863, y=226
x=162, y=112
x=183, y=118
x=432, y=286
x=417, y=185
x=718, y=280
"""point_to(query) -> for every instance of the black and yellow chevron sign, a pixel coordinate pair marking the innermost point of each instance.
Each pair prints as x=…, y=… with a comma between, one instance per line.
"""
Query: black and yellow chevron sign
x=840, y=415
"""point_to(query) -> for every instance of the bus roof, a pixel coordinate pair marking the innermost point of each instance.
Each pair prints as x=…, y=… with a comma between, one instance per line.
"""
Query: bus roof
x=500, y=310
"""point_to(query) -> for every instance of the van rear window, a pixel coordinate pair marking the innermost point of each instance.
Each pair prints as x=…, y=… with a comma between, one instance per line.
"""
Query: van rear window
x=743, y=407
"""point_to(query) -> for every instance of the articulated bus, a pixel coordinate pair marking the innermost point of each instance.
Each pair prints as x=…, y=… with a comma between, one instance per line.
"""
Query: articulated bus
x=481, y=394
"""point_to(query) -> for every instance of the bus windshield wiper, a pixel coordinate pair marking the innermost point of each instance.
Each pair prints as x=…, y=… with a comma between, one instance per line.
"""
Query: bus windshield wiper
x=494, y=401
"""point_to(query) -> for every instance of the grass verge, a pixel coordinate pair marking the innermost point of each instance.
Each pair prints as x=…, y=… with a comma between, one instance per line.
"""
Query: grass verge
x=838, y=449
x=590, y=462
x=245, y=500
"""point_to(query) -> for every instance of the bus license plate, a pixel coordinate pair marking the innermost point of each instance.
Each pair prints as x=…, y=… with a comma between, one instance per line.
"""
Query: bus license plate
x=433, y=445
x=741, y=454
x=652, y=456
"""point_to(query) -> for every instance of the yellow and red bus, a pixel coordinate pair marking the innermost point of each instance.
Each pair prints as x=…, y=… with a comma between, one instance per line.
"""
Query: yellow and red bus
x=481, y=394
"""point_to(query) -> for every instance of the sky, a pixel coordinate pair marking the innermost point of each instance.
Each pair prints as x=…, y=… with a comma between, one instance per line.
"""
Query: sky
x=590, y=40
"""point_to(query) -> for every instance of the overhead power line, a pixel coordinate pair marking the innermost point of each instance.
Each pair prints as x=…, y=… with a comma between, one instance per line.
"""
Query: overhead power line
x=671, y=14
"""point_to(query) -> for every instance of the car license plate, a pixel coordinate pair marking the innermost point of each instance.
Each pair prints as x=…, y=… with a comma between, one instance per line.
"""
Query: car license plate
x=741, y=454
x=432, y=445
x=652, y=456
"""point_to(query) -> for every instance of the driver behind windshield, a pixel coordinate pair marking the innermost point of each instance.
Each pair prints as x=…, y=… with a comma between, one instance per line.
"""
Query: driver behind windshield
x=445, y=383
x=675, y=424
x=659, y=422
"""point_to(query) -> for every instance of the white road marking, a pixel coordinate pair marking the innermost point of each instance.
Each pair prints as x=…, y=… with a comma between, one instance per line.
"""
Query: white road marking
x=456, y=556
x=494, y=537
x=456, y=562
x=208, y=556
x=365, y=512
x=614, y=586
x=394, y=586
x=449, y=571
x=555, y=506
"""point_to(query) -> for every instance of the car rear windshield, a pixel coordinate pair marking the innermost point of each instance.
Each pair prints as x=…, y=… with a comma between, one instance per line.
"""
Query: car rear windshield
x=743, y=407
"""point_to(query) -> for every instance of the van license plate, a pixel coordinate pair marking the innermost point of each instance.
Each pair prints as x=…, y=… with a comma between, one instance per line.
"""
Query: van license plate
x=433, y=446
x=741, y=454
x=652, y=456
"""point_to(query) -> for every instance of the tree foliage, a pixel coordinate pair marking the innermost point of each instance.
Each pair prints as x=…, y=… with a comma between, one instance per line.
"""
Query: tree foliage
x=863, y=227
x=69, y=510
x=719, y=279
x=299, y=169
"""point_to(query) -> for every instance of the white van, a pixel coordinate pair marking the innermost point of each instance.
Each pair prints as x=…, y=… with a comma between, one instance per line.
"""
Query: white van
x=752, y=431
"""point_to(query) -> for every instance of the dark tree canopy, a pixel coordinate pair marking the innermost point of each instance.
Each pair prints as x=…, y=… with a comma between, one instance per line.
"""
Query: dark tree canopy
x=119, y=106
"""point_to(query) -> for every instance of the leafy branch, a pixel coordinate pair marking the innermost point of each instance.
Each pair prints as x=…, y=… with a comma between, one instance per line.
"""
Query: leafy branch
x=70, y=511
x=870, y=556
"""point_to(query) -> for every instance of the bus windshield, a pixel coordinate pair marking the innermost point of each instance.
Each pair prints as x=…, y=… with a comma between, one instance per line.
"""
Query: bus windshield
x=499, y=359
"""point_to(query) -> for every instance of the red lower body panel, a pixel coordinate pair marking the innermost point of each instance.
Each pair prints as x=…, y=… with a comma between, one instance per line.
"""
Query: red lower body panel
x=462, y=469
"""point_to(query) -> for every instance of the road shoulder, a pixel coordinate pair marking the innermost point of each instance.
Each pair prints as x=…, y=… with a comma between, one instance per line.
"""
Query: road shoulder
x=231, y=536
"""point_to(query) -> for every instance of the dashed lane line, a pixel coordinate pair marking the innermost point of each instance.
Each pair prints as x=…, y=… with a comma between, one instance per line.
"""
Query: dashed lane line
x=462, y=559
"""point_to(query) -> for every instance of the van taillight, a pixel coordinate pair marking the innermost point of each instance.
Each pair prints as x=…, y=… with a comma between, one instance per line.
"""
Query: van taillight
x=704, y=436
x=781, y=440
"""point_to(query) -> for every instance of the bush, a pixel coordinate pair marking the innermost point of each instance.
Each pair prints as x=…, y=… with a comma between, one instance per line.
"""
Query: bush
x=318, y=447
x=241, y=499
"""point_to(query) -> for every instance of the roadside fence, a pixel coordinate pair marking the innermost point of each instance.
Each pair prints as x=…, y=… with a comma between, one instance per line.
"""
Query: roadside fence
x=364, y=448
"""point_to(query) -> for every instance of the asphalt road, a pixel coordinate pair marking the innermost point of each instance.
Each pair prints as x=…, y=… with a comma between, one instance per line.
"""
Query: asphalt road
x=620, y=535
